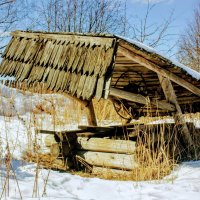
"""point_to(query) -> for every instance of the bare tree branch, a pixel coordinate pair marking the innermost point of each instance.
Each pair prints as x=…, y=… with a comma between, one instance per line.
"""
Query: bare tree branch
x=189, y=44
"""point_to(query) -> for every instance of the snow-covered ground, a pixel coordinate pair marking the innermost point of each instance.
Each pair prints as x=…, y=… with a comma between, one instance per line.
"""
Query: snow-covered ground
x=17, y=134
x=183, y=183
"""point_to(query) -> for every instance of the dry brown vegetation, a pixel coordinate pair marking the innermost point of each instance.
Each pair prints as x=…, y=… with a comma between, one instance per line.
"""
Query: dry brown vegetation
x=156, y=159
x=157, y=153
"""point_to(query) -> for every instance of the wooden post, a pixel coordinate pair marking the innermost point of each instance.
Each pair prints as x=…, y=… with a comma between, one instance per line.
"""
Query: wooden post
x=91, y=114
x=178, y=118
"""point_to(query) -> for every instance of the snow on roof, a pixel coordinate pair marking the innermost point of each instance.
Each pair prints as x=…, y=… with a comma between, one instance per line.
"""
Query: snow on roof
x=188, y=70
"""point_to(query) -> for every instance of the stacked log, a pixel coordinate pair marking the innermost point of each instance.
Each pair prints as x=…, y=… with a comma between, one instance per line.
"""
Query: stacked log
x=101, y=154
x=107, y=153
x=57, y=148
x=96, y=151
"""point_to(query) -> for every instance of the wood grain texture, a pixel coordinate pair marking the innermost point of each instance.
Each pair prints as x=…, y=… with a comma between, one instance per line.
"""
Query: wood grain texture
x=106, y=145
x=110, y=160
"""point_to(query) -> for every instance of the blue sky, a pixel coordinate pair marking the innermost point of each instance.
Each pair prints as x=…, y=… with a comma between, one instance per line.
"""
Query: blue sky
x=183, y=12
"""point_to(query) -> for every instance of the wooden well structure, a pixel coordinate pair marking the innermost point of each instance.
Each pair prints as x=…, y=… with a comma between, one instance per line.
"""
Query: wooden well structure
x=99, y=66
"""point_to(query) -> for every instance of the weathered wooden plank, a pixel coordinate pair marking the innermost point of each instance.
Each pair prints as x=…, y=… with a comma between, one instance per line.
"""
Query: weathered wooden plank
x=82, y=59
x=77, y=58
x=85, y=87
x=27, y=46
x=100, y=87
x=54, y=79
x=107, y=59
x=59, y=81
x=58, y=55
x=72, y=82
x=40, y=73
x=66, y=78
x=91, y=87
x=14, y=48
x=54, y=53
x=4, y=67
x=98, y=64
x=87, y=60
x=74, y=90
x=64, y=55
x=110, y=160
x=80, y=86
x=93, y=62
x=47, y=52
x=72, y=57
x=25, y=72
x=40, y=53
x=31, y=50
x=18, y=53
x=106, y=145
x=93, y=39
x=50, y=77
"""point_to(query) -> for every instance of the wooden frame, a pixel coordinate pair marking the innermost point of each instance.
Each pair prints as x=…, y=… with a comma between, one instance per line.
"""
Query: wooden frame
x=148, y=64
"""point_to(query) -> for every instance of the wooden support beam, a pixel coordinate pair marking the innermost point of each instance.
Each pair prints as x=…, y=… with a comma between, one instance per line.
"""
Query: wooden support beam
x=178, y=118
x=138, y=98
x=91, y=114
x=159, y=70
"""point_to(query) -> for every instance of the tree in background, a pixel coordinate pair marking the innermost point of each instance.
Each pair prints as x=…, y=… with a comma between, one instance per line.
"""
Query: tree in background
x=90, y=16
x=189, y=45
x=146, y=30
x=9, y=18
x=86, y=16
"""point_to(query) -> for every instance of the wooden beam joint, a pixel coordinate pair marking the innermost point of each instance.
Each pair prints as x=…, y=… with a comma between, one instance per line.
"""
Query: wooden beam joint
x=138, y=98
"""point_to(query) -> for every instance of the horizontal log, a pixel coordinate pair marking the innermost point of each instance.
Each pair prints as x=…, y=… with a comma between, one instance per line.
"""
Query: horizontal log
x=110, y=172
x=185, y=100
x=106, y=145
x=49, y=140
x=109, y=160
x=138, y=98
x=55, y=150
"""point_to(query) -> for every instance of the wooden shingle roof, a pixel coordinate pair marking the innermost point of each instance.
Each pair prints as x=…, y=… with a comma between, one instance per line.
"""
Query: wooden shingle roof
x=89, y=65
x=71, y=63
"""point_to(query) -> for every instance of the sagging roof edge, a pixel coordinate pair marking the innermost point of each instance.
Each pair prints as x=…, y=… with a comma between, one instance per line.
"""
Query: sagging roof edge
x=149, y=51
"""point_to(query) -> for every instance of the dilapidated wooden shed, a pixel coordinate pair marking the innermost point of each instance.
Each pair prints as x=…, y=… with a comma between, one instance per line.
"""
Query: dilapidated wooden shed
x=99, y=66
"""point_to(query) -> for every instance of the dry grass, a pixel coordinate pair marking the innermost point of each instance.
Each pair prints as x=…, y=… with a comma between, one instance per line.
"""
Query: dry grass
x=155, y=160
